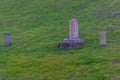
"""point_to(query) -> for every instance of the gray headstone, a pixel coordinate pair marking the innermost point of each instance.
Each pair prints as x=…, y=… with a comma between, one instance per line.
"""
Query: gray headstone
x=73, y=41
x=102, y=38
x=7, y=40
x=73, y=29
x=73, y=32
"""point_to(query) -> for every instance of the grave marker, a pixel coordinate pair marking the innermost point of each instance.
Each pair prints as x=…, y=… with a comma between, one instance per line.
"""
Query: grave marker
x=7, y=40
x=73, y=41
x=102, y=38
x=73, y=29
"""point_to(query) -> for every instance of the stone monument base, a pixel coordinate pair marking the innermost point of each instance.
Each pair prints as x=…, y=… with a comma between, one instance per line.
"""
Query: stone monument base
x=71, y=43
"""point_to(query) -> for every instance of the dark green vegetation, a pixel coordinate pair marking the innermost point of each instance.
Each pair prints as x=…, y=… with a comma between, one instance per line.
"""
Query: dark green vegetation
x=37, y=26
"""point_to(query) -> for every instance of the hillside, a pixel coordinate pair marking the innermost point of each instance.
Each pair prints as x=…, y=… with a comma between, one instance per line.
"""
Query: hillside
x=37, y=26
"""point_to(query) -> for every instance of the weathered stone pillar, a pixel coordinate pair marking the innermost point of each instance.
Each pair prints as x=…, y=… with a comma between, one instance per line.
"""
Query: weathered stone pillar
x=7, y=40
x=102, y=38
x=73, y=29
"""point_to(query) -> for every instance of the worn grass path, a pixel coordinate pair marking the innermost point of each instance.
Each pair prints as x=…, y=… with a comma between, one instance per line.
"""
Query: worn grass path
x=37, y=26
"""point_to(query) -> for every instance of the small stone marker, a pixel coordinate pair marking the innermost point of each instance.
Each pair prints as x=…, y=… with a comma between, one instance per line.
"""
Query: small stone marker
x=7, y=40
x=73, y=41
x=102, y=38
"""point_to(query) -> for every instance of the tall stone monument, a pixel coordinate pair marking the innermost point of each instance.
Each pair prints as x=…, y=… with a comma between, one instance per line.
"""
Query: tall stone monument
x=73, y=41
x=73, y=29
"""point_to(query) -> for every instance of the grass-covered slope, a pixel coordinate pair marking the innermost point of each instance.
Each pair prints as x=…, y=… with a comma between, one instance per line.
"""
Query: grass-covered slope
x=37, y=26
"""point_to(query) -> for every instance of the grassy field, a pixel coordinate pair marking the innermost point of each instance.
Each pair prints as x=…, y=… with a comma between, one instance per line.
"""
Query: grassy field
x=37, y=26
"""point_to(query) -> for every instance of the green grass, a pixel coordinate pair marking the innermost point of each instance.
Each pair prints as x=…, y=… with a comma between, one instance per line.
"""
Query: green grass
x=37, y=26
